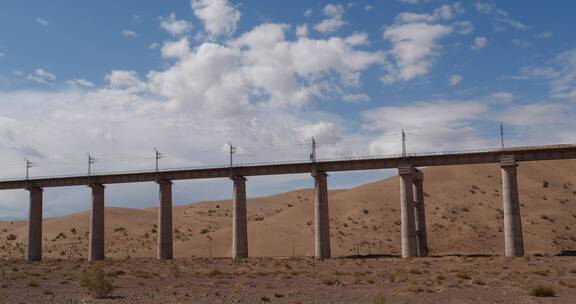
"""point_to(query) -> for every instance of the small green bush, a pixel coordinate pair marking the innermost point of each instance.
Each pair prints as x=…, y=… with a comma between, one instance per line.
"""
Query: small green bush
x=542, y=291
x=96, y=282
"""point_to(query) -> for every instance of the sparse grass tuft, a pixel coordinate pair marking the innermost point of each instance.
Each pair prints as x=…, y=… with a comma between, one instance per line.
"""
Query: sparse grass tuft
x=543, y=273
x=32, y=283
x=48, y=292
x=440, y=278
x=96, y=282
x=378, y=299
x=330, y=282
x=542, y=291
x=214, y=272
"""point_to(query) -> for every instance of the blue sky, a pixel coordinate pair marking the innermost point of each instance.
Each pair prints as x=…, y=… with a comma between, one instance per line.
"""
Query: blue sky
x=118, y=78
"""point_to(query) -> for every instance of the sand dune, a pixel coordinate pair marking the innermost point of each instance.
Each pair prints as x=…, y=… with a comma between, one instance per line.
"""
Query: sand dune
x=464, y=213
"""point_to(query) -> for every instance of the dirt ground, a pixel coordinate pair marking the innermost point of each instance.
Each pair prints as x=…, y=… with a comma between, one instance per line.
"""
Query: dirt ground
x=448, y=279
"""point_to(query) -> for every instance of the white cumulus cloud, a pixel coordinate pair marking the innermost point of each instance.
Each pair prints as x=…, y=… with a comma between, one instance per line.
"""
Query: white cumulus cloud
x=302, y=30
x=218, y=16
x=42, y=21
x=479, y=43
x=455, y=80
x=128, y=33
x=80, y=82
x=415, y=39
x=334, y=21
x=415, y=48
x=430, y=126
x=502, y=19
x=124, y=80
x=501, y=97
x=559, y=73
x=42, y=76
x=414, y=1
x=174, y=26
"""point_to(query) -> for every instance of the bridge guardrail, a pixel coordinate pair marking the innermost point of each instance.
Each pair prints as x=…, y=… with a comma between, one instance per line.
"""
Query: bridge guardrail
x=272, y=163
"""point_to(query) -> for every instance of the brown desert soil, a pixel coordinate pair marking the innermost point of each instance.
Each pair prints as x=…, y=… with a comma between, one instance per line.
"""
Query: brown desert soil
x=297, y=280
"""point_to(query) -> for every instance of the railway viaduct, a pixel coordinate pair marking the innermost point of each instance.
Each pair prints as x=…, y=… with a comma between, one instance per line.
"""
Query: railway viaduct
x=413, y=222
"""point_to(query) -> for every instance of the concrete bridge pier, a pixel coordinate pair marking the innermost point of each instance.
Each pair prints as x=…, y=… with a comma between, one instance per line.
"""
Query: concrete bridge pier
x=165, y=243
x=408, y=226
x=239, y=220
x=34, y=252
x=514, y=242
x=321, y=216
x=420, y=214
x=96, y=249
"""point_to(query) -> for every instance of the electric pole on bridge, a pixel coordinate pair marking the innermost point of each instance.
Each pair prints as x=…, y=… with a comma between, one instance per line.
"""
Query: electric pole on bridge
x=231, y=151
x=403, y=134
x=313, y=151
x=91, y=160
x=29, y=165
x=501, y=136
x=158, y=156
x=403, y=143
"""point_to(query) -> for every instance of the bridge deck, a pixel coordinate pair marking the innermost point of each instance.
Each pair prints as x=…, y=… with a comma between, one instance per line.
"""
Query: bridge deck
x=348, y=164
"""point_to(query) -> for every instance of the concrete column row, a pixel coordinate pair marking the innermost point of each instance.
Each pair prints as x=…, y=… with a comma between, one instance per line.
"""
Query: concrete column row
x=413, y=215
x=412, y=209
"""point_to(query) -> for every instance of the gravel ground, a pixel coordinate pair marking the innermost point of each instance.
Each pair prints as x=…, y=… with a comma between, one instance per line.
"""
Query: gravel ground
x=301, y=280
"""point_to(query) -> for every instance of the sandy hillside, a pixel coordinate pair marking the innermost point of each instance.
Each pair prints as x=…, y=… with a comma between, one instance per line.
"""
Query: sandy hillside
x=464, y=212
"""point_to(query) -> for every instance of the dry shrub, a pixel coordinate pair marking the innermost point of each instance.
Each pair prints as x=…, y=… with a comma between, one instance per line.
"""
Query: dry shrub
x=96, y=281
x=542, y=291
